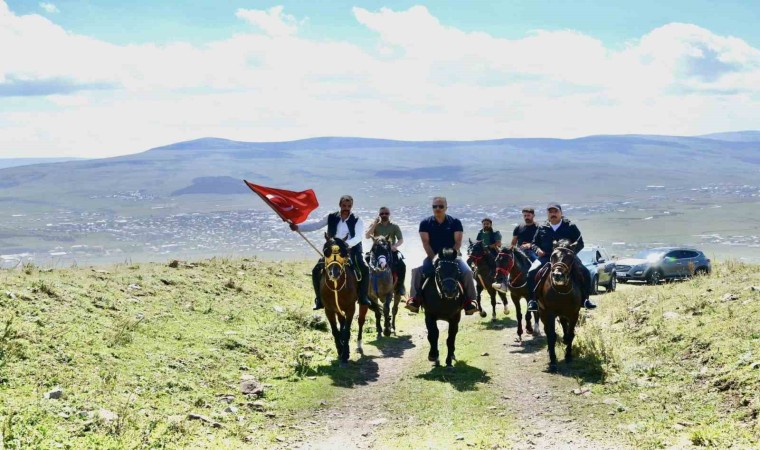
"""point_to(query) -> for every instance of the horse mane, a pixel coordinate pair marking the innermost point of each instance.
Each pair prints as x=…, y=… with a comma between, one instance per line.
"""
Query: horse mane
x=448, y=254
x=522, y=260
x=564, y=243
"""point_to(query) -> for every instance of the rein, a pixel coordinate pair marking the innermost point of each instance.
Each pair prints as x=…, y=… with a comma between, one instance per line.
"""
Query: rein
x=508, y=270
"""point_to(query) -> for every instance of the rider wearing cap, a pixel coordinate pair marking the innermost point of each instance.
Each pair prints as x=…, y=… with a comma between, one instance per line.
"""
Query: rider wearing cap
x=554, y=229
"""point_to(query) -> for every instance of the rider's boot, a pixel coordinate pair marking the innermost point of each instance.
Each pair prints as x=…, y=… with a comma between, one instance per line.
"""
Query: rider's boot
x=412, y=304
x=532, y=304
x=470, y=307
x=588, y=305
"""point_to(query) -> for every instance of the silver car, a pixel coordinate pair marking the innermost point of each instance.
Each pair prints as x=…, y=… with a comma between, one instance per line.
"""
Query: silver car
x=663, y=263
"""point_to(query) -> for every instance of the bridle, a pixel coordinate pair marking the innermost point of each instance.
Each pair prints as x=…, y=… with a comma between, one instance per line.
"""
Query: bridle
x=335, y=259
x=506, y=272
x=563, y=268
x=439, y=281
x=373, y=259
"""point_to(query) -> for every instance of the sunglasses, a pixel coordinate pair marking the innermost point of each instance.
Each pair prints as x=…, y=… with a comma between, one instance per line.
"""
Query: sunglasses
x=385, y=214
x=438, y=206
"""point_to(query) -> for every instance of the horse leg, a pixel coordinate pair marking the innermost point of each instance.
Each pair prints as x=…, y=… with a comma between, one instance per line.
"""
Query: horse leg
x=563, y=322
x=335, y=331
x=451, y=342
x=518, y=313
x=432, y=328
x=551, y=338
x=479, y=288
x=345, y=332
x=492, y=292
x=504, y=301
x=396, y=300
x=569, y=336
x=362, y=318
x=378, y=321
x=387, y=313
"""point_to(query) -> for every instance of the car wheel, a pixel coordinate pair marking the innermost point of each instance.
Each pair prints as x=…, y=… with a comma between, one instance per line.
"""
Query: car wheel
x=622, y=281
x=612, y=285
x=700, y=272
x=595, y=285
x=655, y=277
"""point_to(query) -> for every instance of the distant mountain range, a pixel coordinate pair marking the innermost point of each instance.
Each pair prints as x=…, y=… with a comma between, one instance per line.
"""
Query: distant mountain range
x=210, y=170
x=15, y=162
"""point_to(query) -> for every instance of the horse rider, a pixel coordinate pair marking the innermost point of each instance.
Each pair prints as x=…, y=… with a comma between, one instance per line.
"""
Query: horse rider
x=522, y=237
x=340, y=224
x=382, y=226
x=491, y=241
x=523, y=234
x=437, y=232
x=557, y=227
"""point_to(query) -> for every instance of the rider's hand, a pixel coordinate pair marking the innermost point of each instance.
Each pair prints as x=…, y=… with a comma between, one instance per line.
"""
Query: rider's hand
x=378, y=220
x=525, y=246
x=394, y=248
x=294, y=227
x=540, y=252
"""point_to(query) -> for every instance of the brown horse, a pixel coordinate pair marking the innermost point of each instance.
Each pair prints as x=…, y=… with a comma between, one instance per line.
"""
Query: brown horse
x=443, y=299
x=559, y=297
x=482, y=268
x=382, y=286
x=513, y=265
x=338, y=289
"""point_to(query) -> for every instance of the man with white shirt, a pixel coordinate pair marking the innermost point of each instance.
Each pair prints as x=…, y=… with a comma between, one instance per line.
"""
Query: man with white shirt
x=341, y=224
x=557, y=227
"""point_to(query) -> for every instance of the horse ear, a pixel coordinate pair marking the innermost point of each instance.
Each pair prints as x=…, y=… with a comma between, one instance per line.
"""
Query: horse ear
x=470, y=239
x=572, y=246
x=327, y=236
x=387, y=237
x=345, y=238
x=554, y=244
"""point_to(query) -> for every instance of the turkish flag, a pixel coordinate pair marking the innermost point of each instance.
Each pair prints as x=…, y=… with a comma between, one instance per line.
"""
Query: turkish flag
x=289, y=205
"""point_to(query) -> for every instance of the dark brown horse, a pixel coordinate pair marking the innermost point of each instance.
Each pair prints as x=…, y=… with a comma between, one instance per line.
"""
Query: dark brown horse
x=382, y=286
x=512, y=265
x=443, y=299
x=559, y=297
x=339, y=294
x=483, y=269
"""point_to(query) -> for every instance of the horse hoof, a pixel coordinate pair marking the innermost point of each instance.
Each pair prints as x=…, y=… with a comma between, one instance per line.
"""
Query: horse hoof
x=386, y=332
x=449, y=368
x=432, y=358
x=483, y=313
x=343, y=364
x=437, y=363
x=553, y=368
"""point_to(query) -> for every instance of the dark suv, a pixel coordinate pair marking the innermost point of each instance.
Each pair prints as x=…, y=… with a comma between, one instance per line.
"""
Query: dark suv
x=657, y=264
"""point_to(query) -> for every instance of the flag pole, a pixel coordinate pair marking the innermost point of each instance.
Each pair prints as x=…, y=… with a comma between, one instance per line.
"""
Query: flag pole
x=308, y=241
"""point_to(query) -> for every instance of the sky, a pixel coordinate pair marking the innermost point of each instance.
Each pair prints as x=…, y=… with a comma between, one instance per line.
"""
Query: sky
x=106, y=78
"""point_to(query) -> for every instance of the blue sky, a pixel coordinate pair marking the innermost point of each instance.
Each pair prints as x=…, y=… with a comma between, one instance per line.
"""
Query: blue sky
x=614, y=22
x=102, y=78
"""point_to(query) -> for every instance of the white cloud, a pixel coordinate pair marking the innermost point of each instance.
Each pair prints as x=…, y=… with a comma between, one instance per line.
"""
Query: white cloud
x=49, y=8
x=421, y=79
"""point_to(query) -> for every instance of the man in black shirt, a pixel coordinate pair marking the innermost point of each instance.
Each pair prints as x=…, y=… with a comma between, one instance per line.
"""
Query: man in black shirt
x=437, y=232
x=523, y=234
x=522, y=237
x=556, y=228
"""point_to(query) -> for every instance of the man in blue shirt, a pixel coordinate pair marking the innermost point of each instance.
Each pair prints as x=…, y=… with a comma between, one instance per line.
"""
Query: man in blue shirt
x=437, y=232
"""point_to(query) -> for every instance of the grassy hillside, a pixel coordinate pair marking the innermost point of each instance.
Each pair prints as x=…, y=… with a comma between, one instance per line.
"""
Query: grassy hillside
x=680, y=363
x=154, y=356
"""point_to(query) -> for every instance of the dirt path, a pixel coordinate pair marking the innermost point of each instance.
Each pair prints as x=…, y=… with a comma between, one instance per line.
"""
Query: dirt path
x=548, y=413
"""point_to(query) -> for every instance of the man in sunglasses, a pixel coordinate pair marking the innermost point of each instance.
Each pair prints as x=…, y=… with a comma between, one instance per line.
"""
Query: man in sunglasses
x=437, y=232
x=557, y=227
x=382, y=226
x=340, y=224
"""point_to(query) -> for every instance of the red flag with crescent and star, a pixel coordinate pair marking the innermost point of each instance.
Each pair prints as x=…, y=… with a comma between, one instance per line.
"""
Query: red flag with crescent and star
x=289, y=205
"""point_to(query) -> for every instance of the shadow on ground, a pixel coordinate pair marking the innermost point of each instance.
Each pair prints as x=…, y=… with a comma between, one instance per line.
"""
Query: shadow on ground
x=359, y=372
x=393, y=347
x=463, y=377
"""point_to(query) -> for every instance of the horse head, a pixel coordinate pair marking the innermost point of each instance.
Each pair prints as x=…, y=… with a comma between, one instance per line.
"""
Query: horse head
x=447, y=275
x=380, y=253
x=562, y=259
x=336, y=256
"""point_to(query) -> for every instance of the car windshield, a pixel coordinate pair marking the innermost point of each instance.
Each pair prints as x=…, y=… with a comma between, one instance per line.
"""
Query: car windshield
x=586, y=256
x=650, y=255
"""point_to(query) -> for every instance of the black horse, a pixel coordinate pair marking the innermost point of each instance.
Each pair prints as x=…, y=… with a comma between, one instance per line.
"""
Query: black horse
x=512, y=265
x=443, y=300
x=559, y=297
x=483, y=267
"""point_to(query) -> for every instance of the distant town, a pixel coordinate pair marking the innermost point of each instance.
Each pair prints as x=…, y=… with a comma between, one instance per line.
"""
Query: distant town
x=63, y=238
